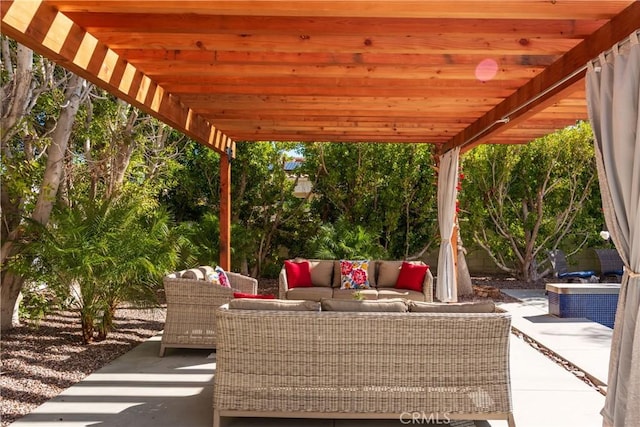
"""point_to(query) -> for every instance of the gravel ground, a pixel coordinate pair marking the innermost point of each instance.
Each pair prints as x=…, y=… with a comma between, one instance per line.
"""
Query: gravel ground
x=37, y=363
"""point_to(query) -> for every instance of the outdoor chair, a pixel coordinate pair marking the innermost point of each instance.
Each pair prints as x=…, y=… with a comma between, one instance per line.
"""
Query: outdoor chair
x=561, y=269
x=191, y=306
x=611, y=265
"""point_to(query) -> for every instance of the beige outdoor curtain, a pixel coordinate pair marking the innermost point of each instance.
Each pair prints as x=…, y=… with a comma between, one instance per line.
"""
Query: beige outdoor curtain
x=446, y=284
x=613, y=97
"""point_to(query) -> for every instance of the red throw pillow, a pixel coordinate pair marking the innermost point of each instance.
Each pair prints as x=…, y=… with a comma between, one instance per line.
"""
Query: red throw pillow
x=242, y=295
x=411, y=276
x=298, y=274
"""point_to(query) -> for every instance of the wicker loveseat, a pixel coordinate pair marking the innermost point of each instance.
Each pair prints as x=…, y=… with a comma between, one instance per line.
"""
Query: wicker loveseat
x=325, y=277
x=360, y=365
x=191, y=305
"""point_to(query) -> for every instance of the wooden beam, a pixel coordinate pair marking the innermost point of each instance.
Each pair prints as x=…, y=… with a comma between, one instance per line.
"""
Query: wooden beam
x=227, y=24
x=360, y=130
x=191, y=84
x=313, y=102
x=566, y=68
x=225, y=212
x=300, y=123
x=345, y=115
x=166, y=57
x=398, y=72
x=350, y=91
x=467, y=9
x=444, y=43
x=42, y=28
x=344, y=136
x=324, y=109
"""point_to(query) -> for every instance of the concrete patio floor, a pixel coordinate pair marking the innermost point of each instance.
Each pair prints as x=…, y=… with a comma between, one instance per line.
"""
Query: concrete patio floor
x=140, y=389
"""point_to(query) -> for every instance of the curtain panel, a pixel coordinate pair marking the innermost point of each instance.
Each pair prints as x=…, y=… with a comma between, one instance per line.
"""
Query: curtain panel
x=613, y=98
x=446, y=283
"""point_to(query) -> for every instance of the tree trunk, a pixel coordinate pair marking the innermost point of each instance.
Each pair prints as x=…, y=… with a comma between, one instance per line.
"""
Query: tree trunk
x=16, y=103
x=11, y=285
x=123, y=148
x=242, y=187
x=11, y=217
x=9, y=292
x=57, y=149
x=16, y=99
x=87, y=327
x=464, y=278
x=244, y=266
x=106, y=323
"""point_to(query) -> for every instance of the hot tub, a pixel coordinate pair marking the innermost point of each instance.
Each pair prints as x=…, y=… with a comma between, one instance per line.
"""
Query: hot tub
x=594, y=301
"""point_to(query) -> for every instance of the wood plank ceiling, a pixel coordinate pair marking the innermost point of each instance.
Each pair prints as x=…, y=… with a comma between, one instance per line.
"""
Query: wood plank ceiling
x=441, y=72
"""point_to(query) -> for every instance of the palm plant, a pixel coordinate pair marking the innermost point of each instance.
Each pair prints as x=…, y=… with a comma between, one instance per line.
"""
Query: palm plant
x=103, y=254
x=199, y=241
x=345, y=241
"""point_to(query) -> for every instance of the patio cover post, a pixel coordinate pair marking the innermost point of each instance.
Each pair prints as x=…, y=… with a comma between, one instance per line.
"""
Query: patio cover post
x=225, y=211
x=613, y=99
x=446, y=284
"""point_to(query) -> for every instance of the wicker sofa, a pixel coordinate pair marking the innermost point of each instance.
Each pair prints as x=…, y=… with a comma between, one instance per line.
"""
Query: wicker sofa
x=361, y=365
x=191, y=305
x=325, y=276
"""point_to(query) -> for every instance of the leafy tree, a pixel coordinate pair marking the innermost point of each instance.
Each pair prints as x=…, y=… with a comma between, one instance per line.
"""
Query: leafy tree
x=524, y=200
x=195, y=188
x=264, y=205
x=119, y=149
x=265, y=213
x=388, y=189
x=64, y=140
x=39, y=103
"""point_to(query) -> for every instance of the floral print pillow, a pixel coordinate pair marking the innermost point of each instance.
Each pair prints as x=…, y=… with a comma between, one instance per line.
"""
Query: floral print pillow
x=353, y=274
x=222, y=277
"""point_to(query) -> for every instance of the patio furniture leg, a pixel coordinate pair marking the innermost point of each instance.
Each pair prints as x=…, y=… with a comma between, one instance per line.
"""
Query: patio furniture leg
x=218, y=421
x=511, y=421
x=162, y=350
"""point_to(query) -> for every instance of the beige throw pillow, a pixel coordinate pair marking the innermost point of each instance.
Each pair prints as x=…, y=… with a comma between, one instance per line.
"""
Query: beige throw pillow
x=321, y=273
x=388, y=272
x=388, y=305
x=457, y=307
x=193, y=274
x=274, y=305
x=206, y=270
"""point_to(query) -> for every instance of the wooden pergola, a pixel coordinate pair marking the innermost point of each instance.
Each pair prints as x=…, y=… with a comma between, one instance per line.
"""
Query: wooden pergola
x=450, y=73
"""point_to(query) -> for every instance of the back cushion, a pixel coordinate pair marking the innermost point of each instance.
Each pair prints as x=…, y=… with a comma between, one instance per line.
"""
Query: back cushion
x=193, y=274
x=388, y=305
x=458, y=307
x=274, y=305
x=206, y=270
x=388, y=272
x=321, y=272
